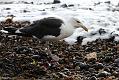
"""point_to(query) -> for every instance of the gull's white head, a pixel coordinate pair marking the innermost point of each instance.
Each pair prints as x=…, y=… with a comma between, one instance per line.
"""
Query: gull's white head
x=77, y=23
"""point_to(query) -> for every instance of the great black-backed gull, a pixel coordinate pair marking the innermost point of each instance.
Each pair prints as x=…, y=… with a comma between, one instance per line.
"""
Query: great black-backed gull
x=49, y=28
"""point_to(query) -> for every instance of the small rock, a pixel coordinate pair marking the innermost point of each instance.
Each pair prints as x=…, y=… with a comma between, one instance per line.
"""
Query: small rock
x=115, y=73
x=108, y=59
x=38, y=71
x=103, y=74
x=117, y=47
x=56, y=1
x=66, y=70
x=61, y=75
x=82, y=65
x=95, y=4
x=93, y=78
x=9, y=19
x=55, y=76
x=70, y=5
x=109, y=78
x=92, y=70
x=111, y=39
x=36, y=57
x=25, y=11
x=108, y=2
x=93, y=33
x=91, y=56
x=88, y=49
x=22, y=50
x=102, y=31
x=80, y=39
x=77, y=77
x=90, y=9
x=107, y=69
x=8, y=9
x=98, y=66
x=117, y=61
x=55, y=57
x=77, y=68
x=64, y=5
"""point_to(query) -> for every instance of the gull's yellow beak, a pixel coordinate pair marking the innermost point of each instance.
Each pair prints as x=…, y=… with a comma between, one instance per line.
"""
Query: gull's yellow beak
x=82, y=26
x=85, y=28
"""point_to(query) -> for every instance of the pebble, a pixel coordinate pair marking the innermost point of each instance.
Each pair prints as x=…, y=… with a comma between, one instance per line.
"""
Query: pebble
x=117, y=61
x=91, y=70
x=54, y=57
x=103, y=74
x=102, y=31
x=108, y=59
x=98, y=66
x=36, y=57
x=64, y=5
x=93, y=78
x=91, y=56
x=77, y=68
x=80, y=39
x=88, y=49
x=22, y=50
x=56, y=1
x=82, y=65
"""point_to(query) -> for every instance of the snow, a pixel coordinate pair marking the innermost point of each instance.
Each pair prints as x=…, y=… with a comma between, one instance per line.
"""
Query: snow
x=94, y=14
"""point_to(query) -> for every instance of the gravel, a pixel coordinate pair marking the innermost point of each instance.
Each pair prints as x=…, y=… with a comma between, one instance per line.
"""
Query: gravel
x=29, y=58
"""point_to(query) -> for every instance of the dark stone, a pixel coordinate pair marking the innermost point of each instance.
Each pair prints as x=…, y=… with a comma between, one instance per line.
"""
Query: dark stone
x=32, y=2
x=111, y=39
x=8, y=8
x=115, y=73
x=107, y=69
x=103, y=74
x=93, y=33
x=102, y=31
x=109, y=2
x=56, y=1
x=90, y=9
x=89, y=49
x=82, y=65
x=93, y=78
x=38, y=71
x=36, y=57
x=117, y=61
x=80, y=39
x=98, y=66
x=25, y=11
x=22, y=50
x=91, y=70
x=70, y=5
x=117, y=29
x=64, y=5
x=108, y=59
x=95, y=4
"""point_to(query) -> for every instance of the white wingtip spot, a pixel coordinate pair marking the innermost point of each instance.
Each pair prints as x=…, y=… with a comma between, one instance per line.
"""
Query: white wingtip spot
x=3, y=31
x=18, y=31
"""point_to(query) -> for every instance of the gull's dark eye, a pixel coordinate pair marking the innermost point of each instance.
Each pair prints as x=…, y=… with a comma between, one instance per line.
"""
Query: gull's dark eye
x=78, y=21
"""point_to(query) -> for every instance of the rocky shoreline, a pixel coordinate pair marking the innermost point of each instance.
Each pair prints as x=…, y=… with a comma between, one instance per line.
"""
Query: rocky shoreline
x=27, y=58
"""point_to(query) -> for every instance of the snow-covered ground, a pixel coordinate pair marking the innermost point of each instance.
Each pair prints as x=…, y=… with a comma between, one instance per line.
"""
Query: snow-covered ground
x=99, y=16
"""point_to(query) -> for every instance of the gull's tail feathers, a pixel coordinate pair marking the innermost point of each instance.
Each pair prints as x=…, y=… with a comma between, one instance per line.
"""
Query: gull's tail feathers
x=14, y=31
